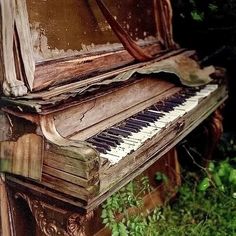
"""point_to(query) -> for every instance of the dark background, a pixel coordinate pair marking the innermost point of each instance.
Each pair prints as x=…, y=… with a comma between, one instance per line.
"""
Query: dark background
x=209, y=27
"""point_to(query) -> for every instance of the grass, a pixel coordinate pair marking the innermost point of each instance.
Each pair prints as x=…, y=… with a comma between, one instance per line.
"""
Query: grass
x=205, y=204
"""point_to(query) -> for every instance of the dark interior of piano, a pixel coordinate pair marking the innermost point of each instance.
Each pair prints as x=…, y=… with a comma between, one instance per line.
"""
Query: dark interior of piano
x=94, y=93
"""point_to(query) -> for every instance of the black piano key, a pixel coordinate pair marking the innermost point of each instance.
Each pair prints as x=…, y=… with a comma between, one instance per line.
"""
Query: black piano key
x=152, y=115
x=100, y=149
x=170, y=105
x=129, y=128
x=162, y=107
x=118, y=132
x=116, y=140
x=134, y=127
x=178, y=100
x=155, y=114
x=136, y=123
x=108, y=142
x=114, y=136
x=142, y=123
x=125, y=129
x=144, y=118
x=99, y=144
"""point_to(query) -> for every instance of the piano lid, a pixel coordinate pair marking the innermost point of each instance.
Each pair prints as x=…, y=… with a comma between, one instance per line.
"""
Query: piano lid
x=47, y=43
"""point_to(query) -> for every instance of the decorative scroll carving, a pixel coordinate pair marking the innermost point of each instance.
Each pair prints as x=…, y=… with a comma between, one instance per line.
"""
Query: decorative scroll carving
x=83, y=149
x=48, y=226
x=76, y=224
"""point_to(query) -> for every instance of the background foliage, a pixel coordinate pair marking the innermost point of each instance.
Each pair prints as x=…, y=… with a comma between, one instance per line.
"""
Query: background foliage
x=209, y=26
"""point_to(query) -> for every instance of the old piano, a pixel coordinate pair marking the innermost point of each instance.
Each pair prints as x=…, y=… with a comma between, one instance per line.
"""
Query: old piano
x=93, y=93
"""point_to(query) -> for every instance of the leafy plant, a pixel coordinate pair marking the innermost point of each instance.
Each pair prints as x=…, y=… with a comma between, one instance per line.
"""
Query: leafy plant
x=205, y=203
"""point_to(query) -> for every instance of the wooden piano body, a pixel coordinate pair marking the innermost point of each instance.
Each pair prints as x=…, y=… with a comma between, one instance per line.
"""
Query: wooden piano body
x=73, y=70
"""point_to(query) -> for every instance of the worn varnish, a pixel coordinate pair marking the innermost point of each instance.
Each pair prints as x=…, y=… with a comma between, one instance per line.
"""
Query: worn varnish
x=69, y=70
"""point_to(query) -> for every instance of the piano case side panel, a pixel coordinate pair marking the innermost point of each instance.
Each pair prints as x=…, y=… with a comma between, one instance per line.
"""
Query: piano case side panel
x=21, y=150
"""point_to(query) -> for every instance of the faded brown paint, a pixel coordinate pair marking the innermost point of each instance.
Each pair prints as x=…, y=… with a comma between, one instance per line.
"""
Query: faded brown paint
x=65, y=27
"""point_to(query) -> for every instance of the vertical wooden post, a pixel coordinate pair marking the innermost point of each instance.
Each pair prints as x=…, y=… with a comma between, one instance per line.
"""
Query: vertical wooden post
x=4, y=203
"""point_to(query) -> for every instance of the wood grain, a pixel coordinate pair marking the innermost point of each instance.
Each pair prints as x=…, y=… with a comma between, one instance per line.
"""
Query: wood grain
x=134, y=164
x=84, y=118
x=23, y=156
x=63, y=71
x=25, y=43
x=4, y=209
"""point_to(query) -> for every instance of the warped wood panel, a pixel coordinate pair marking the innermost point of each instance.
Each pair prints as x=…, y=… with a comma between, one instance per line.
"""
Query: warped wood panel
x=102, y=107
x=49, y=74
x=25, y=42
x=23, y=156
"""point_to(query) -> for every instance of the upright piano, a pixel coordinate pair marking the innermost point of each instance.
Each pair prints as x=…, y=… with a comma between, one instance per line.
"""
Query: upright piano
x=93, y=93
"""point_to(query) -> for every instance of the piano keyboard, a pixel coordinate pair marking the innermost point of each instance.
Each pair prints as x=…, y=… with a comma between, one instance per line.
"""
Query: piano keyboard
x=124, y=138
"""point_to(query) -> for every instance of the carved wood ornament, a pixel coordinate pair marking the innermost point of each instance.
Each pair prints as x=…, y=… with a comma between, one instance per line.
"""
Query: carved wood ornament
x=47, y=226
x=75, y=225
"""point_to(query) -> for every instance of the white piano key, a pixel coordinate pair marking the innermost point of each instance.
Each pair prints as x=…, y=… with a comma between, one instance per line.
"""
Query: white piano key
x=196, y=98
x=136, y=139
x=188, y=105
x=175, y=113
x=212, y=87
x=112, y=158
x=118, y=152
x=204, y=93
x=160, y=124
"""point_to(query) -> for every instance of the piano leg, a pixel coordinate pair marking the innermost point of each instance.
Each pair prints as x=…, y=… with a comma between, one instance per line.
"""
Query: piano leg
x=36, y=214
x=214, y=128
x=33, y=216
x=5, y=221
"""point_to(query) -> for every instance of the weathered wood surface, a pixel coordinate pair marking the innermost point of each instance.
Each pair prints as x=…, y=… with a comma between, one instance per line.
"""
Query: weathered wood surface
x=21, y=149
x=23, y=156
x=168, y=164
x=163, y=17
x=5, y=128
x=127, y=169
x=106, y=123
x=11, y=85
x=25, y=46
x=129, y=44
x=17, y=54
x=93, y=80
x=108, y=107
x=63, y=71
x=69, y=221
x=64, y=162
x=5, y=225
x=153, y=149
